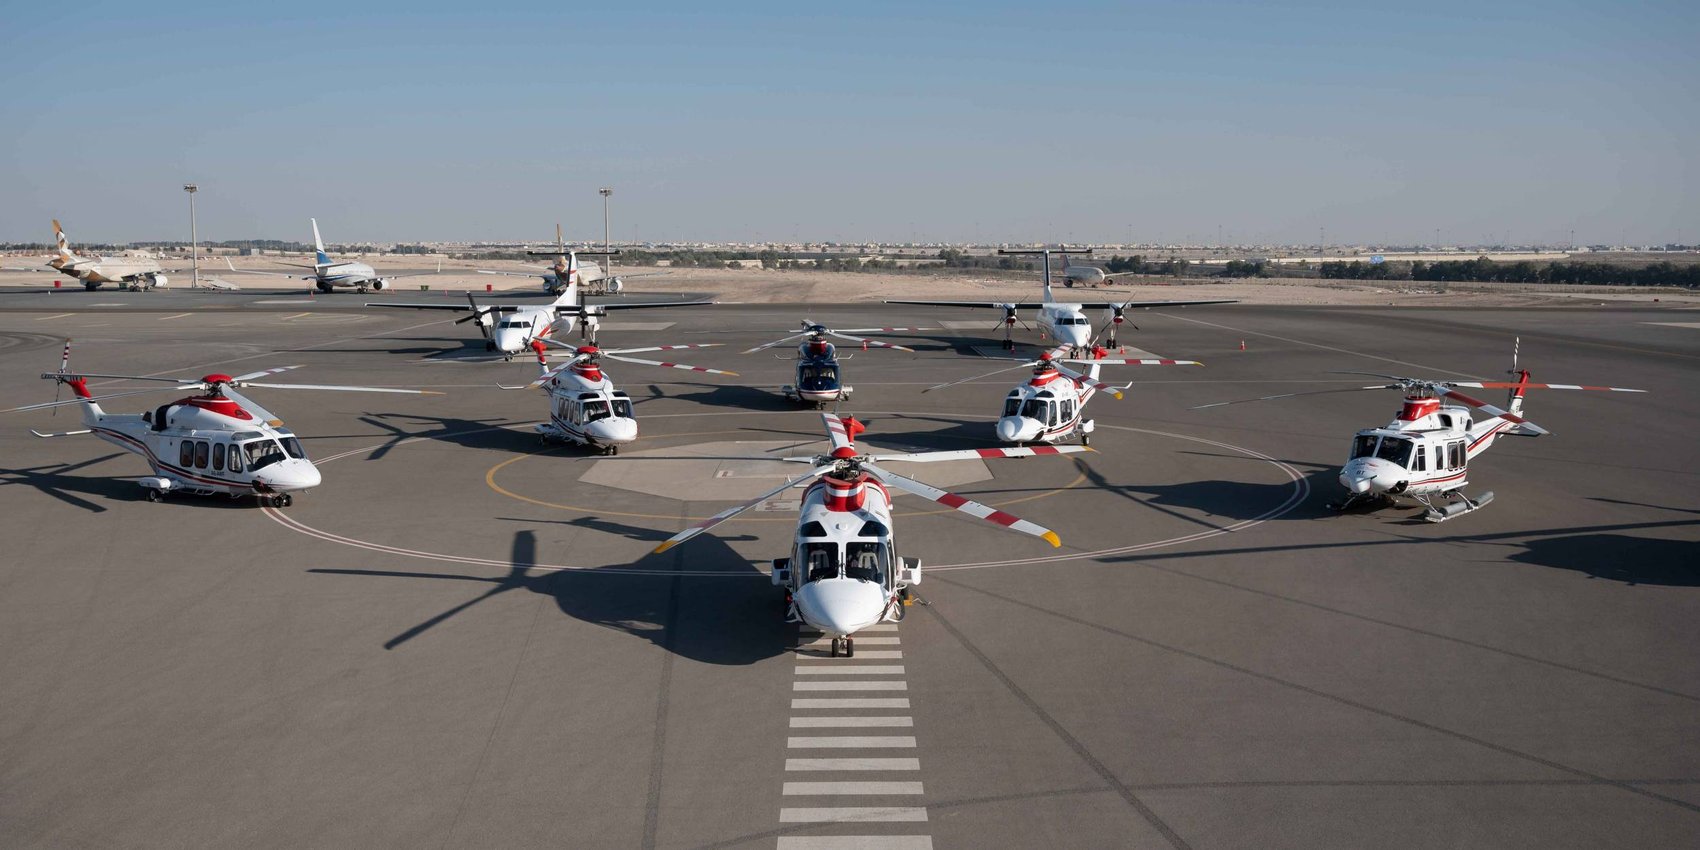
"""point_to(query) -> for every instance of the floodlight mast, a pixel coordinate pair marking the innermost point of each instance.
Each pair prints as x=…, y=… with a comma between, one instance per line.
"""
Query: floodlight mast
x=194, y=241
x=608, y=272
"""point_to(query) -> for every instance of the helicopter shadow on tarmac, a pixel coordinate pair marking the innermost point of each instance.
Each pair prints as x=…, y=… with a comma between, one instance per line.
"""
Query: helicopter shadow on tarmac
x=729, y=396
x=53, y=480
x=717, y=618
x=494, y=434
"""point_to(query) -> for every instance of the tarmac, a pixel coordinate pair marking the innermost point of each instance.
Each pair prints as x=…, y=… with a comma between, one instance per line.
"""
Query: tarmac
x=460, y=640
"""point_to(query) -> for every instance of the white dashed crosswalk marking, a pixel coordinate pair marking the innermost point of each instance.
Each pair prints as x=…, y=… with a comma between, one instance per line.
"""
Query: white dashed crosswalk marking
x=853, y=777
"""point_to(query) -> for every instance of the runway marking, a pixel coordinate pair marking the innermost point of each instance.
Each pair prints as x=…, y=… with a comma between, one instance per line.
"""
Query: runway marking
x=57, y=316
x=111, y=304
x=178, y=316
x=289, y=301
x=851, y=742
x=804, y=789
x=814, y=651
x=877, y=627
x=851, y=670
x=849, y=702
x=860, y=641
x=849, y=686
x=294, y=316
x=1675, y=324
x=855, y=842
x=853, y=764
x=812, y=722
x=855, y=814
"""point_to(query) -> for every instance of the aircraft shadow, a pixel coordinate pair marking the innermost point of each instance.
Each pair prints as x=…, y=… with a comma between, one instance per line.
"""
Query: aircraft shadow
x=734, y=396
x=53, y=481
x=467, y=433
x=715, y=619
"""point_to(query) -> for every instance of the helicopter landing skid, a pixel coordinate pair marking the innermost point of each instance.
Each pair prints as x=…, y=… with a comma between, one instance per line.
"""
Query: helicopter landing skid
x=1458, y=504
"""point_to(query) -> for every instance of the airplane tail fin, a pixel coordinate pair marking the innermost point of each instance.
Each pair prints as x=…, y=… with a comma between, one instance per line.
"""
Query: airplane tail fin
x=1049, y=297
x=569, y=293
x=322, y=258
x=63, y=244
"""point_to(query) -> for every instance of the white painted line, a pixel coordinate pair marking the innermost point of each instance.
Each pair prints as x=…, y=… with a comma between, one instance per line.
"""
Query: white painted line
x=1675, y=324
x=849, y=702
x=855, y=814
x=635, y=326
x=882, y=627
x=861, y=654
x=849, y=686
x=850, y=669
x=990, y=324
x=800, y=789
x=852, y=742
x=111, y=304
x=56, y=316
x=867, y=641
x=827, y=722
x=178, y=316
x=296, y=316
x=852, y=764
x=855, y=842
x=290, y=301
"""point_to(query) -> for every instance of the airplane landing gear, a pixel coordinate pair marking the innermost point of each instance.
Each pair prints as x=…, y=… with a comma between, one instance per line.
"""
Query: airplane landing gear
x=844, y=644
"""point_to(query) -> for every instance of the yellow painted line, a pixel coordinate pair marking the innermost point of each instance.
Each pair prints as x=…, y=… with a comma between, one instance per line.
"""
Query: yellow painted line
x=178, y=316
x=60, y=316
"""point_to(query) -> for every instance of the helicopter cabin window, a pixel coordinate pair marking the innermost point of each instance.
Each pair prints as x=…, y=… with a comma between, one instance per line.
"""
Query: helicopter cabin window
x=1364, y=445
x=866, y=561
x=1067, y=410
x=622, y=406
x=1445, y=419
x=186, y=453
x=822, y=560
x=202, y=454
x=1012, y=405
x=1033, y=409
x=218, y=457
x=1421, y=464
x=235, y=458
x=1455, y=454
x=1395, y=450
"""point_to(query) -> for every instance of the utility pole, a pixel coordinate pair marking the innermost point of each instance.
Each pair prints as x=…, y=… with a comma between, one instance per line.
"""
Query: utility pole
x=194, y=241
x=607, y=270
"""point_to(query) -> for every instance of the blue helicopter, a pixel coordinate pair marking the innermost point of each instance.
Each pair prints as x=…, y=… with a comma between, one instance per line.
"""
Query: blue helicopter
x=819, y=378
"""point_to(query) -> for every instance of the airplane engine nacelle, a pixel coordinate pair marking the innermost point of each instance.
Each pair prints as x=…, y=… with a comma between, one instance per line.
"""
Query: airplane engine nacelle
x=380, y=284
x=160, y=280
x=615, y=284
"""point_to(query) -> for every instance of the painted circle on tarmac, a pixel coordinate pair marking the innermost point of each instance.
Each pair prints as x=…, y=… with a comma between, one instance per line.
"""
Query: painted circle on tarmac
x=1298, y=491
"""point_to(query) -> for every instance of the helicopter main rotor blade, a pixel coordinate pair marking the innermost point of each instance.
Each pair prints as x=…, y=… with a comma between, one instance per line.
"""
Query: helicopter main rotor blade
x=71, y=376
x=967, y=506
x=668, y=365
x=884, y=330
x=1089, y=380
x=661, y=348
x=1493, y=411
x=253, y=407
x=1295, y=395
x=337, y=388
x=1513, y=385
x=871, y=342
x=1125, y=362
x=1023, y=365
x=51, y=404
x=262, y=373
x=779, y=341
x=979, y=454
x=738, y=509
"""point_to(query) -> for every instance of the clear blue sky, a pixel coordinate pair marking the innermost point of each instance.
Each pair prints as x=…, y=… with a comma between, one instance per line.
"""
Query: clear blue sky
x=1080, y=122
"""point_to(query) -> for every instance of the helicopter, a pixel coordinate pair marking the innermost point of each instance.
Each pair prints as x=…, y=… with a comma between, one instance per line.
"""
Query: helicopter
x=1424, y=453
x=818, y=379
x=1063, y=321
x=843, y=574
x=216, y=441
x=1051, y=406
x=584, y=407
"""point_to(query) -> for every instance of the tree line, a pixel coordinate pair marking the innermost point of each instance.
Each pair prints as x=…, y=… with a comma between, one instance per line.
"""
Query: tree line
x=1484, y=270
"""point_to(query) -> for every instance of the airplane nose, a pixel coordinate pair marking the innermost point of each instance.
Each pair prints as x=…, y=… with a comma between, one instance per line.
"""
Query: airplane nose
x=841, y=606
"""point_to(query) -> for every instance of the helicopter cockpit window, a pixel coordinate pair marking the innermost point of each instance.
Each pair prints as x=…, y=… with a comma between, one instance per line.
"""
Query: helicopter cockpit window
x=1012, y=405
x=622, y=407
x=1033, y=409
x=293, y=447
x=817, y=377
x=1395, y=449
x=263, y=453
x=822, y=560
x=866, y=561
x=1364, y=445
x=594, y=410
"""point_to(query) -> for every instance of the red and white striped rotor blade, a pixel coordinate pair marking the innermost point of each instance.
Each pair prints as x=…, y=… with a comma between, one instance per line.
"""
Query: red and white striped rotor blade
x=669, y=365
x=49, y=404
x=980, y=454
x=1493, y=411
x=1126, y=362
x=884, y=330
x=967, y=506
x=661, y=348
x=738, y=509
x=837, y=432
x=262, y=373
x=1090, y=381
x=1025, y=364
x=780, y=341
x=870, y=342
x=1512, y=385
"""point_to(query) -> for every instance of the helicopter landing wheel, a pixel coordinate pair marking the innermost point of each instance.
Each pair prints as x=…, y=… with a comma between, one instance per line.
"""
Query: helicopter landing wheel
x=155, y=494
x=1086, y=439
x=283, y=500
x=849, y=647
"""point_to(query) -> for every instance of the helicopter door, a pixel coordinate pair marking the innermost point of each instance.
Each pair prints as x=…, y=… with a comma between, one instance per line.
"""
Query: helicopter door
x=1421, y=462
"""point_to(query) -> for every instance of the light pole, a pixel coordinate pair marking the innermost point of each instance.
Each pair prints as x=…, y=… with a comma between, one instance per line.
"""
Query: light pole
x=608, y=270
x=194, y=242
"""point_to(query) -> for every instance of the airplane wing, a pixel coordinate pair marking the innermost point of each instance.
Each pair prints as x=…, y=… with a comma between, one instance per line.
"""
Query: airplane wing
x=462, y=308
x=628, y=306
x=542, y=271
x=235, y=270
x=1000, y=305
x=1102, y=305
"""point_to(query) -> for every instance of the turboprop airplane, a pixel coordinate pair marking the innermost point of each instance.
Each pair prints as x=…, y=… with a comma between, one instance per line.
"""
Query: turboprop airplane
x=511, y=329
x=215, y=441
x=328, y=274
x=129, y=272
x=1063, y=321
x=843, y=574
x=567, y=270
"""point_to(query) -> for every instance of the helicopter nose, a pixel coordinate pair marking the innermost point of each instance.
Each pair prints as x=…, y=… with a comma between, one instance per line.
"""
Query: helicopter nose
x=613, y=430
x=289, y=475
x=841, y=606
x=1366, y=475
x=1015, y=429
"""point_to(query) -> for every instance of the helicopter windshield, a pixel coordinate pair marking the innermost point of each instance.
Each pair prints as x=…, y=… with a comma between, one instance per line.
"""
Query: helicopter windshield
x=1395, y=449
x=622, y=407
x=867, y=562
x=817, y=377
x=1033, y=409
x=265, y=452
x=1364, y=445
x=594, y=410
x=822, y=560
x=1012, y=406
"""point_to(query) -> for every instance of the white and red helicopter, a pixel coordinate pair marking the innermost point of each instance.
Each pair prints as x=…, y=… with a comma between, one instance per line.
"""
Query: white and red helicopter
x=584, y=407
x=216, y=441
x=819, y=380
x=1051, y=405
x=843, y=574
x=1063, y=321
x=1424, y=453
